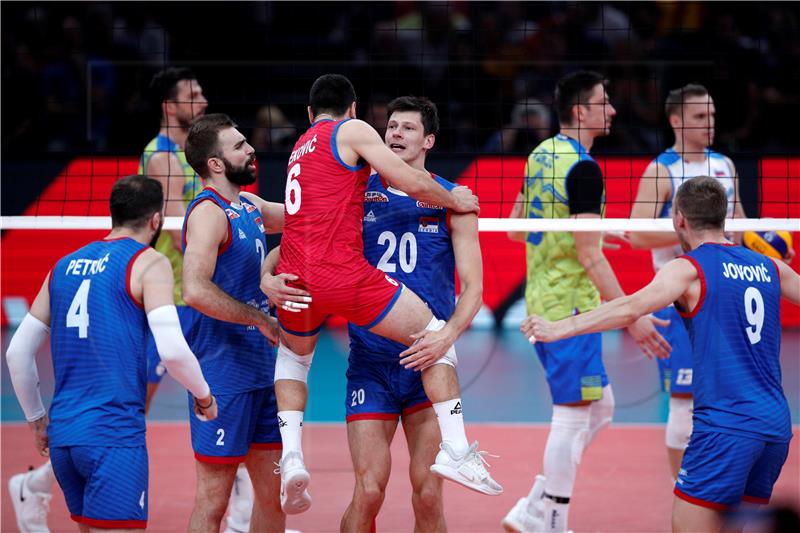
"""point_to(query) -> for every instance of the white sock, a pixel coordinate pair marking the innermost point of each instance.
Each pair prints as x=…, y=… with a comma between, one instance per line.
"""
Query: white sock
x=41, y=479
x=451, y=424
x=555, y=515
x=291, y=428
x=535, y=495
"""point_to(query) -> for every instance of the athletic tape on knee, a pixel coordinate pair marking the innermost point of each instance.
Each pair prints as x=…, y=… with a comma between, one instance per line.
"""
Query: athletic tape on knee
x=289, y=365
x=450, y=357
x=568, y=431
x=679, y=423
x=600, y=413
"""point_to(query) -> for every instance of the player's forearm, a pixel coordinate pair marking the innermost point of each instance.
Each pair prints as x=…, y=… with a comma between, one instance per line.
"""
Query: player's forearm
x=209, y=299
x=618, y=313
x=21, y=361
x=599, y=271
x=469, y=303
x=425, y=189
x=653, y=239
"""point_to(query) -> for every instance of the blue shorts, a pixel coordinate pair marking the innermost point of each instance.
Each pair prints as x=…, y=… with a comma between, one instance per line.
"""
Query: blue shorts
x=574, y=368
x=246, y=420
x=720, y=470
x=155, y=368
x=675, y=371
x=383, y=391
x=105, y=487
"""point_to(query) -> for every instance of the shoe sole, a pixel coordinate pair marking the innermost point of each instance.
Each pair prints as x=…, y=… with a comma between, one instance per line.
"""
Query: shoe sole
x=448, y=473
x=14, y=486
x=295, y=498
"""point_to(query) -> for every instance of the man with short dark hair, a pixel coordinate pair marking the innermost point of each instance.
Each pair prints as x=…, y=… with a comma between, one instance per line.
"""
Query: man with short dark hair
x=729, y=298
x=96, y=304
x=322, y=245
x=691, y=114
x=568, y=274
x=224, y=247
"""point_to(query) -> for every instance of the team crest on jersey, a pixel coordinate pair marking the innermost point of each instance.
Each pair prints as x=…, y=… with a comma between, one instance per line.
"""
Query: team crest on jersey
x=428, y=225
x=375, y=196
x=370, y=217
x=249, y=207
x=231, y=214
x=260, y=224
x=425, y=205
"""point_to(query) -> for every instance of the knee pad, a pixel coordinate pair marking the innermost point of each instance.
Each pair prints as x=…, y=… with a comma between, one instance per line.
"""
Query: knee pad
x=449, y=358
x=679, y=423
x=289, y=365
x=572, y=424
x=601, y=412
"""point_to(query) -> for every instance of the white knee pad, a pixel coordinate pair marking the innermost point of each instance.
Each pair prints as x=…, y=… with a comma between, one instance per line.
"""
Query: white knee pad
x=679, y=423
x=450, y=357
x=289, y=365
x=572, y=423
x=565, y=443
x=600, y=413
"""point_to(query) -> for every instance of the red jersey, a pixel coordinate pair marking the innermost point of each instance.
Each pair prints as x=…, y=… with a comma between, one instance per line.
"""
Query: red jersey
x=324, y=209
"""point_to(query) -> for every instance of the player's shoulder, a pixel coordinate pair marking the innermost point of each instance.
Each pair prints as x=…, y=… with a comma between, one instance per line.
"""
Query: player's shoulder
x=667, y=158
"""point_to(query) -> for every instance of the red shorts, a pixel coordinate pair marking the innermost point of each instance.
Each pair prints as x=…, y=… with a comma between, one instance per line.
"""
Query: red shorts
x=364, y=300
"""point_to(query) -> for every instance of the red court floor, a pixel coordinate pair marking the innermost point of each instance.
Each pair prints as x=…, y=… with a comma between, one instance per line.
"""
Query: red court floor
x=623, y=482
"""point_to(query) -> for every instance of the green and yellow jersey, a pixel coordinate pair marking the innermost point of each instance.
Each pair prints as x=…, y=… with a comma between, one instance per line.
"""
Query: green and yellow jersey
x=557, y=284
x=192, y=186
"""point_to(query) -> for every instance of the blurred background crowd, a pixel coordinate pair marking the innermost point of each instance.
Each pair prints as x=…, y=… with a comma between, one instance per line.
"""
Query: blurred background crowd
x=75, y=75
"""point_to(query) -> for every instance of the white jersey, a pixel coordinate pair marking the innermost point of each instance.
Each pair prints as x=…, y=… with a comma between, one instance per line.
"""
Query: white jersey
x=715, y=165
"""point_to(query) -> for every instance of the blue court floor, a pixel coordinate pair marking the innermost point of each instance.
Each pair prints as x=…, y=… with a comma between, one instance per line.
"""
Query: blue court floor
x=502, y=380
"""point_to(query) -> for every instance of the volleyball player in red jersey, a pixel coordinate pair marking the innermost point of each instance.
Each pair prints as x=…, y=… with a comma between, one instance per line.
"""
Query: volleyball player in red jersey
x=322, y=253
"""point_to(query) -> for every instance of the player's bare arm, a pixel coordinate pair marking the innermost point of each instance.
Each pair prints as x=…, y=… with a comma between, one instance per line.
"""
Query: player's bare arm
x=431, y=345
x=152, y=285
x=165, y=167
x=271, y=212
x=790, y=282
x=518, y=211
x=277, y=287
x=206, y=231
x=671, y=283
x=357, y=139
x=655, y=188
x=590, y=255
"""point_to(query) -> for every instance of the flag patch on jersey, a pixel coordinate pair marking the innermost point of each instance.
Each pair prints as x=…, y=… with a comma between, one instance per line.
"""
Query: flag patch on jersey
x=428, y=225
x=370, y=217
x=231, y=214
x=260, y=224
x=241, y=234
x=250, y=207
x=719, y=173
x=375, y=196
x=425, y=205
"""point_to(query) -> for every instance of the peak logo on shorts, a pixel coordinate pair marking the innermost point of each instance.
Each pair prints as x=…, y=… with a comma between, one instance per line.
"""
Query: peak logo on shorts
x=231, y=214
x=375, y=196
x=428, y=225
x=426, y=205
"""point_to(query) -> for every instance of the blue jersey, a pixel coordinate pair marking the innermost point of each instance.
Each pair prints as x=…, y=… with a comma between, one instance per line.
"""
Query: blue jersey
x=735, y=331
x=97, y=336
x=234, y=357
x=410, y=240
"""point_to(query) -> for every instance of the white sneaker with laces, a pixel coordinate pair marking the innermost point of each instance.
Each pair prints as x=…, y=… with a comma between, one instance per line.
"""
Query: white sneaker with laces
x=468, y=470
x=30, y=507
x=519, y=520
x=294, y=481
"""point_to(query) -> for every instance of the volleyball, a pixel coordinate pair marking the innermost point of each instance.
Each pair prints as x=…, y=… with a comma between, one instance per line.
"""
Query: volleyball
x=770, y=243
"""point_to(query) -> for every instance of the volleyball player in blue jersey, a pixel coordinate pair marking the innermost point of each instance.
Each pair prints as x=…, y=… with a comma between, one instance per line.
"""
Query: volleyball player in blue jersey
x=97, y=303
x=729, y=298
x=224, y=243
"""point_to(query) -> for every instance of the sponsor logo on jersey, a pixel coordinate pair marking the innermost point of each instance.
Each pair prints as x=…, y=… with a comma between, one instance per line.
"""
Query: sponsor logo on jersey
x=426, y=205
x=231, y=214
x=249, y=207
x=375, y=196
x=370, y=217
x=260, y=224
x=428, y=225
x=241, y=234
